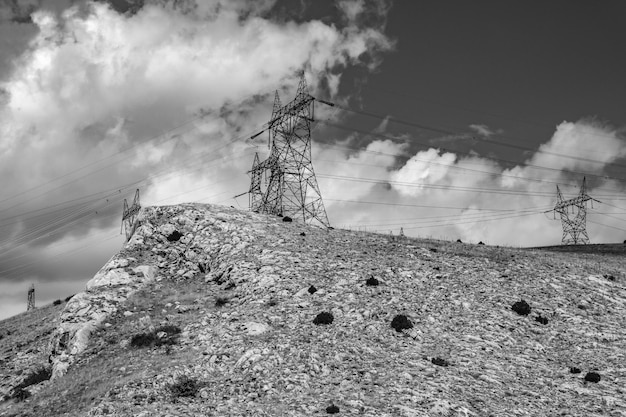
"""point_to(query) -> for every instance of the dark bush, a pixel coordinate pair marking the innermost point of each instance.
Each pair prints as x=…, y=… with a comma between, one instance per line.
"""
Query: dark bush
x=440, y=362
x=541, y=320
x=521, y=307
x=323, y=318
x=459, y=241
x=372, y=282
x=69, y=297
x=332, y=409
x=201, y=268
x=312, y=290
x=287, y=219
x=37, y=376
x=401, y=322
x=302, y=234
x=221, y=301
x=609, y=277
x=20, y=394
x=144, y=340
x=174, y=236
x=592, y=377
x=184, y=387
x=574, y=370
x=481, y=243
x=434, y=250
x=56, y=302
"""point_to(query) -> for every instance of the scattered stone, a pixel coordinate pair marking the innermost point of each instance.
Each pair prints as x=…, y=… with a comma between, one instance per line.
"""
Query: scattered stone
x=372, y=282
x=332, y=409
x=323, y=318
x=287, y=219
x=592, y=377
x=574, y=370
x=312, y=290
x=521, y=307
x=440, y=362
x=401, y=322
x=174, y=236
x=541, y=320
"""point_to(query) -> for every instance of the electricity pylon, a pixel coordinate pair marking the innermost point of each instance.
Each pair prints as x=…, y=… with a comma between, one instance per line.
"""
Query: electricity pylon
x=129, y=215
x=574, y=229
x=291, y=187
x=31, y=298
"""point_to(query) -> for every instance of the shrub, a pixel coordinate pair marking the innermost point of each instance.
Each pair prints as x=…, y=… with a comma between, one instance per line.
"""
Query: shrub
x=459, y=241
x=69, y=297
x=19, y=394
x=609, y=277
x=371, y=281
x=541, y=320
x=287, y=219
x=302, y=234
x=401, y=322
x=221, y=301
x=312, y=290
x=332, y=409
x=481, y=243
x=184, y=387
x=592, y=377
x=56, y=302
x=144, y=340
x=37, y=376
x=439, y=362
x=174, y=236
x=574, y=370
x=323, y=318
x=521, y=307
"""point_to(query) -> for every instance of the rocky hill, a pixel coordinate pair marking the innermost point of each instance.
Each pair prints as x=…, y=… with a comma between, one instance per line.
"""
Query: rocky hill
x=217, y=312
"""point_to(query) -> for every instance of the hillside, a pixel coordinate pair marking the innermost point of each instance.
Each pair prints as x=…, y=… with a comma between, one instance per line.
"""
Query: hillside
x=210, y=311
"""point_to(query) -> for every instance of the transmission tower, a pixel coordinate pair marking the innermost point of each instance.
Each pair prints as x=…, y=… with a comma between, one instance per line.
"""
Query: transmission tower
x=129, y=216
x=290, y=185
x=574, y=228
x=31, y=298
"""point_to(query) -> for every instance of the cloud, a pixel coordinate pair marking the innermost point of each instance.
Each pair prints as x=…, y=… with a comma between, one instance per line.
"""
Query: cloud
x=100, y=101
x=482, y=130
x=471, y=197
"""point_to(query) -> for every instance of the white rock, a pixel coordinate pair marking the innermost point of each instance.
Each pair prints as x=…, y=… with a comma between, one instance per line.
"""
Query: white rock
x=253, y=328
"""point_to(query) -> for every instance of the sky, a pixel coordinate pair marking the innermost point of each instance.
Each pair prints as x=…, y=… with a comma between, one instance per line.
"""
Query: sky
x=453, y=120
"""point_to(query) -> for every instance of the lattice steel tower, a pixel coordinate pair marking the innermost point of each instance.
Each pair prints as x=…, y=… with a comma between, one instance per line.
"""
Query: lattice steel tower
x=31, y=298
x=291, y=187
x=129, y=216
x=574, y=229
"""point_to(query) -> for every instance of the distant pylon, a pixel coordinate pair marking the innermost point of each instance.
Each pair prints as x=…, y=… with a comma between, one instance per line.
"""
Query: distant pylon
x=129, y=215
x=31, y=298
x=574, y=229
x=290, y=185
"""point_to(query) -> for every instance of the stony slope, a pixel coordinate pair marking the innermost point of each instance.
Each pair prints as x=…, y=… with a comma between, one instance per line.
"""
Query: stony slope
x=237, y=284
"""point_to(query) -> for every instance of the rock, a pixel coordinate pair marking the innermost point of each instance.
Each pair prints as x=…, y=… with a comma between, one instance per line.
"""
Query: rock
x=287, y=219
x=332, y=409
x=440, y=362
x=254, y=329
x=574, y=370
x=312, y=289
x=174, y=236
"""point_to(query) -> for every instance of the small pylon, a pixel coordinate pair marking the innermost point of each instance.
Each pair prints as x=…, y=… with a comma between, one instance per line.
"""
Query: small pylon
x=31, y=298
x=574, y=229
x=129, y=216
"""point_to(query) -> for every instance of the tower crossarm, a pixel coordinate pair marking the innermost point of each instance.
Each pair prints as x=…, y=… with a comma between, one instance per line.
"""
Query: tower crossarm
x=572, y=202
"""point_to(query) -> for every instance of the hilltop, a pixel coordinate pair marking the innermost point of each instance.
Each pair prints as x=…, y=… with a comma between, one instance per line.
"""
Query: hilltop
x=210, y=310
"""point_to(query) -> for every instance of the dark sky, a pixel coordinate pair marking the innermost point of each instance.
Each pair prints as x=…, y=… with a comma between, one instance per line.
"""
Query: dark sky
x=463, y=117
